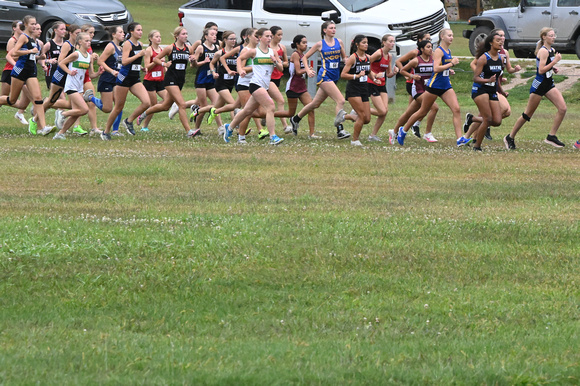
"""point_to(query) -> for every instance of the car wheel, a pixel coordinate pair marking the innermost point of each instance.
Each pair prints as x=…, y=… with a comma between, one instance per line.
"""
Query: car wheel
x=47, y=30
x=578, y=46
x=477, y=37
x=523, y=53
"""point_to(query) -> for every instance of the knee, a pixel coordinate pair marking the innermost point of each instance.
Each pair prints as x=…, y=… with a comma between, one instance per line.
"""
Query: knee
x=435, y=108
x=562, y=109
x=83, y=111
x=507, y=113
x=381, y=112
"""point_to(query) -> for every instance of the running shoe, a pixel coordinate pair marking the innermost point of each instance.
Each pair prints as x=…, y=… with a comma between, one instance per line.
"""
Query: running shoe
x=554, y=141
x=341, y=133
x=236, y=111
x=263, y=121
x=211, y=116
x=295, y=125
x=275, y=140
x=79, y=130
x=288, y=129
x=429, y=137
x=356, y=143
x=314, y=136
x=463, y=141
x=117, y=133
x=194, y=111
x=59, y=119
x=392, y=136
x=339, y=118
x=105, y=136
x=475, y=148
x=21, y=118
x=88, y=95
x=221, y=130
x=145, y=129
x=401, y=136
x=95, y=132
x=263, y=134
x=227, y=133
x=416, y=131
x=488, y=134
x=129, y=126
x=59, y=136
x=173, y=110
x=353, y=114
x=374, y=138
x=47, y=130
x=468, y=121
x=141, y=118
x=193, y=132
x=242, y=141
x=577, y=144
x=509, y=142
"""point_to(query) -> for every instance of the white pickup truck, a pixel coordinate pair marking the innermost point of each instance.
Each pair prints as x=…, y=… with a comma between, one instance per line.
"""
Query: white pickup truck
x=372, y=18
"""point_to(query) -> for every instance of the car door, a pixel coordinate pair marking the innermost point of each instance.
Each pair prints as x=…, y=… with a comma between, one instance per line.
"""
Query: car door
x=534, y=15
x=281, y=13
x=10, y=11
x=565, y=18
x=309, y=20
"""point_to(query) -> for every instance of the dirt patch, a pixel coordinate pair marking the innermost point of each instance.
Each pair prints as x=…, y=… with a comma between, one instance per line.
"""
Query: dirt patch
x=572, y=71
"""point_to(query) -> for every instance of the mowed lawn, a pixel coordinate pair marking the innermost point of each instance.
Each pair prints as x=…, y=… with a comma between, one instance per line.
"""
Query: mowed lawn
x=157, y=259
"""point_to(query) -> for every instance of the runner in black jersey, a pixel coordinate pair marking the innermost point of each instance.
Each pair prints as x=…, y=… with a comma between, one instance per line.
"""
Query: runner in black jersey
x=52, y=50
x=178, y=57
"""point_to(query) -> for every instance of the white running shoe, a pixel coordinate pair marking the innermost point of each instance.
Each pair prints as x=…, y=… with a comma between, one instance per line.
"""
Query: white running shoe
x=356, y=143
x=47, y=130
x=374, y=138
x=59, y=136
x=288, y=130
x=221, y=130
x=353, y=114
x=21, y=118
x=173, y=110
x=429, y=137
x=392, y=137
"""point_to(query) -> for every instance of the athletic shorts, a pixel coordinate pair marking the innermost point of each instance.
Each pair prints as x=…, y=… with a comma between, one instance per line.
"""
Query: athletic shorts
x=293, y=94
x=376, y=90
x=103, y=86
x=542, y=88
x=6, y=77
x=128, y=82
x=492, y=92
x=254, y=87
x=241, y=87
x=207, y=86
x=69, y=92
x=153, y=85
x=23, y=73
x=409, y=88
x=276, y=82
x=223, y=84
x=437, y=91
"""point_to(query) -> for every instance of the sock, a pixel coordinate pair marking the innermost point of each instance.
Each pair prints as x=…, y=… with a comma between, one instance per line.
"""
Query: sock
x=117, y=121
x=97, y=102
x=418, y=123
x=296, y=118
x=240, y=137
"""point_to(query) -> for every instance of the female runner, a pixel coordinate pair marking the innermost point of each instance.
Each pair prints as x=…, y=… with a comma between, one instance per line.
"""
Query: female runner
x=154, y=77
x=6, y=77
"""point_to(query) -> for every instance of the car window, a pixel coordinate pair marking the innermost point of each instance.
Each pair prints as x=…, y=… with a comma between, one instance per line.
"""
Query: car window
x=281, y=6
x=568, y=3
x=360, y=5
x=315, y=8
x=245, y=5
x=537, y=3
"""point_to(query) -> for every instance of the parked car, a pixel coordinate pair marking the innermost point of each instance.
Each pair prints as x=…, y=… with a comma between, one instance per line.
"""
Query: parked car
x=522, y=26
x=372, y=18
x=100, y=13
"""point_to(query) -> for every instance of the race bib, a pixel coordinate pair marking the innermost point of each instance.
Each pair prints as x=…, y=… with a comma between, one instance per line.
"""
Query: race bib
x=32, y=57
x=136, y=67
x=492, y=84
x=334, y=65
x=363, y=79
x=156, y=74
x=228, y=77
x=549, y=74
x=180, y=66
x=445, y=73
x=208, y=73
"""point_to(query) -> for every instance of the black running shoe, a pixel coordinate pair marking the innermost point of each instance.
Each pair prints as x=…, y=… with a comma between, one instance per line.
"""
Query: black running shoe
x=129, y=127
x=510, y=143
x=488, y=134
x=341, y=133
x=468, y=121
x=554, y=141
x=416, y=131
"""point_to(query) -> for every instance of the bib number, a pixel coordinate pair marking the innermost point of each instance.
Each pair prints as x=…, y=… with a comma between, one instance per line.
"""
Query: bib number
x=32, y=57
x=364, y=79
x=156, y=74
x=180, y=66
x=136, y=67
x=334, y=65
x=549, y=74
x=208, y=73
x=228, y=77
x=491, y=84
x=445, y=73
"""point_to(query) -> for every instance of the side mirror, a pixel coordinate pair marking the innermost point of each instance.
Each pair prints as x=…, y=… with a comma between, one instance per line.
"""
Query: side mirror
x=30, y=3
x=331, y=15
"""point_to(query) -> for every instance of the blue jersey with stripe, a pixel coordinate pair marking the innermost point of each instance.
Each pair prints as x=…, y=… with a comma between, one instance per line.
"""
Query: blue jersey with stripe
x=330, y=70
x=441, y=80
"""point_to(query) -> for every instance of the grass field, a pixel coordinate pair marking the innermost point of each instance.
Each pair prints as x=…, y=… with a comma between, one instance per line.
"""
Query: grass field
x=160, y=260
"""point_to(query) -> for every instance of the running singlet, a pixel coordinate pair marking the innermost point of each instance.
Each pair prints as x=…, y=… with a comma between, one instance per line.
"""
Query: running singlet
x=296, y=83
x=278, y=74
x=81, y=65
x=114, y=63
x=27, y=62
x=545, y=78
x=330, y=71
x=156, y=73
x=9, y=66
x=382, y=65
x=425, y=71
x=359, y=86
x=175, y=75
x=410, y=80
x=59, y=75
x=492, y=67
x=441, y=80
x=52, y=53
x=245, y=80
x=231, y=63
x=204, y=75
x=133, y=69
x=262, y=66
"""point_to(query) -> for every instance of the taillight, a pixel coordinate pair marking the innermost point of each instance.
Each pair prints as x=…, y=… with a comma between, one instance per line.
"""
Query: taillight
x=180, y=15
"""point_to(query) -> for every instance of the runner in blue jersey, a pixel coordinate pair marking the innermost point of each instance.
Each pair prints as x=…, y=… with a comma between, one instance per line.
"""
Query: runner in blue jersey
x=543, y=85
x=439, y=85
x=331, y=51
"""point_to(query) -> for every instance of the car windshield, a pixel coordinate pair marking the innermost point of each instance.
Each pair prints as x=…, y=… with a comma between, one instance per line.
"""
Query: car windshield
x=360, y=5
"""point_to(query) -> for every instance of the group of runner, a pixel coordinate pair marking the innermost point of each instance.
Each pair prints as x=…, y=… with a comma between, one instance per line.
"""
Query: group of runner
x=254, y=68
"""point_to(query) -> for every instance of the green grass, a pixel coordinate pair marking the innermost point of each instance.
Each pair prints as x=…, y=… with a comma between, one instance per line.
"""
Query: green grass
x=161, y=260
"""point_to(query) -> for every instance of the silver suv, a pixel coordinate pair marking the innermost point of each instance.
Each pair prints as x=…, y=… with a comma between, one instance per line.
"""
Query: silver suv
x=100, y=13
x=522, y=25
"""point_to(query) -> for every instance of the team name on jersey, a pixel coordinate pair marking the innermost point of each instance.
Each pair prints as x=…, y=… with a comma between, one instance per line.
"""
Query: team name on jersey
x=179, y=56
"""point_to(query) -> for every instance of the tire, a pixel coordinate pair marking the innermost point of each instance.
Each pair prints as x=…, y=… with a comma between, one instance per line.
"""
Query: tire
x=478, y=35
x=374, y=45
x=47, y=30
x=523, y=53
x=577, y=46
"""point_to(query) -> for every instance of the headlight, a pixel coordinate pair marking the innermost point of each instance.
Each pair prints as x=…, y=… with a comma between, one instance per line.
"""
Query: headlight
x=88, y=17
